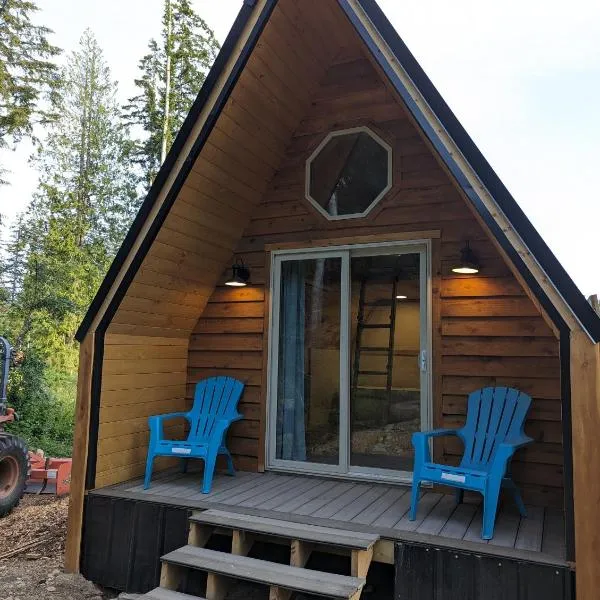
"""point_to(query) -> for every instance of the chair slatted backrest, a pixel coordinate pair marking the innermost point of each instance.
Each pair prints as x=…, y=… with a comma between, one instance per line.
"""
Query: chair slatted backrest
x=494, y=415
x=215, y=398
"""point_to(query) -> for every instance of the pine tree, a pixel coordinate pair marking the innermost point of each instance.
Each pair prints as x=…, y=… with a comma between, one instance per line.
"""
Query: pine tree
x=13, y=264
x=28, y=77
x=85, y=202
x=172, y=74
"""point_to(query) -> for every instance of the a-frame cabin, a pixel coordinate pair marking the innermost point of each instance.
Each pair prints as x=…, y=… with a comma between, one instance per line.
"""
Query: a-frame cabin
x=320, y=155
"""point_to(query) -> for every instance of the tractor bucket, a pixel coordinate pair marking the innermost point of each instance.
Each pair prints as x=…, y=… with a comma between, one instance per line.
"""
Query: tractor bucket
x=49, y=475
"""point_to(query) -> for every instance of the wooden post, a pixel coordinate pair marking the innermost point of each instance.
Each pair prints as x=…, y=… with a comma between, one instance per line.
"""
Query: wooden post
x=199, y=534
x=80, y=453
x=170, y=576
x=216, y=587
x=241, y=542
x=360, y=562
x=585, y=407
x=277, y=593
x=300, y=553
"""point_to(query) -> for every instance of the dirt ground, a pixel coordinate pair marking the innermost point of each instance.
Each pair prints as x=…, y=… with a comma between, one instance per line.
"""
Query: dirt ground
x=34, y=571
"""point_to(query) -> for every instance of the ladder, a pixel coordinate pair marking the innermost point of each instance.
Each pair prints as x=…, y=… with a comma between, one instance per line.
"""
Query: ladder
x=361, y=326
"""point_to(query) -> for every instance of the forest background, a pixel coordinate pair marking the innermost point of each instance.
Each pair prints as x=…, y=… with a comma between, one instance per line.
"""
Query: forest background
x=95, y=159
x=522, y=78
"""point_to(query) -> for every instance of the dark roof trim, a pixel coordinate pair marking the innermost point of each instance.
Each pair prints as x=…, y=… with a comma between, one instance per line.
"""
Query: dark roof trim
x=539, y=249
x=209, y=84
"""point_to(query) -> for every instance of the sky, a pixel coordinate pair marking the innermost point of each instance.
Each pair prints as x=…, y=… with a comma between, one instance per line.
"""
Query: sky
x=523, y=77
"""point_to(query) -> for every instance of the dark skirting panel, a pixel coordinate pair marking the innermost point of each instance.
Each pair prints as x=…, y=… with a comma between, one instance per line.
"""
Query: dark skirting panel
x=123, y=541
x=430, y=573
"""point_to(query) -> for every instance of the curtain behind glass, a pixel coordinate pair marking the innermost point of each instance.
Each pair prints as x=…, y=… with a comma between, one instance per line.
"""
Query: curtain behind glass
x=291, y=431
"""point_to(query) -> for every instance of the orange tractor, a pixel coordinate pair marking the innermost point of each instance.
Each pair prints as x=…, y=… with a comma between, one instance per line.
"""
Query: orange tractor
x=20, y=470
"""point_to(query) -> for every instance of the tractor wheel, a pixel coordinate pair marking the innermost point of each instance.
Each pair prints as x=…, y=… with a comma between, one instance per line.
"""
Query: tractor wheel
x=14, y=465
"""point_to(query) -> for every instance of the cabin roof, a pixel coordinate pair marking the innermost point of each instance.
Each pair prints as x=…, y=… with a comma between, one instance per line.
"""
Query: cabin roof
x=378, y=26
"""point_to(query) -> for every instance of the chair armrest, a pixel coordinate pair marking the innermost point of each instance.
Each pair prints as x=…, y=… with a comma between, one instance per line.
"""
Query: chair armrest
x=168, y=416
x=420, y=443
x=516, y=443
x=221, y=427
x=155, y=423
x=506, y=449
x=436, y=433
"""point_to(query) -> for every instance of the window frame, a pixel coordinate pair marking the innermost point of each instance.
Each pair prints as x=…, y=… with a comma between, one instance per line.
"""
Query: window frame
x=344, y=469
x=338, y=133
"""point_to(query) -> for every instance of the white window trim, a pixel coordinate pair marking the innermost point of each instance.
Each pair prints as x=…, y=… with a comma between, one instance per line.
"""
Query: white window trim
x=344, y=469
x=317, y=151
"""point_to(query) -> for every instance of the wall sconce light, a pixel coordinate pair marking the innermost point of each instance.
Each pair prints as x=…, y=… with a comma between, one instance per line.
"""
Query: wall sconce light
x=240, y=274
x=469, y=264
x=401, y=297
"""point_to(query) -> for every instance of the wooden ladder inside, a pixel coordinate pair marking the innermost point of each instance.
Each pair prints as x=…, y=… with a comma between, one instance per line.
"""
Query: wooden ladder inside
x=223, y=569
x=362, y=326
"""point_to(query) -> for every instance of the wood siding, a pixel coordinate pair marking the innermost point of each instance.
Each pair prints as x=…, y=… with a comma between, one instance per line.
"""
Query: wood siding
x=307, y=77
x=144, y=367
x=487, y=332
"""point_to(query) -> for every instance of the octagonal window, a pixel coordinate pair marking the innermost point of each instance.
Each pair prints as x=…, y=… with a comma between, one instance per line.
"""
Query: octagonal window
x=349, y=173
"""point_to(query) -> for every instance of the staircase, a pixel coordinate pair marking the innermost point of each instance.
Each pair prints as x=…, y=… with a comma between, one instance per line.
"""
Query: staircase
x=224, y=569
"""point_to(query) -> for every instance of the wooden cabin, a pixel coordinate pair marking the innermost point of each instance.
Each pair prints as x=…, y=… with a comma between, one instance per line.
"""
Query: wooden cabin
x=320, y=157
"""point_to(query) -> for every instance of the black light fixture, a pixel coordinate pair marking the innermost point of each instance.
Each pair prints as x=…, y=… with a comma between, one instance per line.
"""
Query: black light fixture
x=469, y=264
x=240, y=274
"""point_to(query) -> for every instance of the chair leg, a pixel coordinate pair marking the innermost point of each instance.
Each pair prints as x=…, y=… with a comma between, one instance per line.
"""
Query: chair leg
x=209, y=471
x=490, y=506
x=460, y=495
x=148, y=474
x=509, y=483
x=184, y=465
x=230, y=467
x=414, y=499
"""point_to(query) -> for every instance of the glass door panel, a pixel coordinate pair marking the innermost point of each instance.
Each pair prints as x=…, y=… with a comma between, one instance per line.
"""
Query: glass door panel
x=307, y=411
x=385, y=344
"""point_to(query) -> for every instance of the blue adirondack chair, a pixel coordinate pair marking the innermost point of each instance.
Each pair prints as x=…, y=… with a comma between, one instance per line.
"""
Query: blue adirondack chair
x=215, y=408
x=492, y=434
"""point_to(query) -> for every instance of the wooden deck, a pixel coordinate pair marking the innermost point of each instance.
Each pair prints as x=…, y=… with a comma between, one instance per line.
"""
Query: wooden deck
x=365, y=507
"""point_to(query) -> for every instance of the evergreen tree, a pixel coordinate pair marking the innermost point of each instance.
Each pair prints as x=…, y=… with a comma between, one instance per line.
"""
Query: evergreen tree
x=13, y=261
x=172, y=74
x=84, y=204
x=28, y=77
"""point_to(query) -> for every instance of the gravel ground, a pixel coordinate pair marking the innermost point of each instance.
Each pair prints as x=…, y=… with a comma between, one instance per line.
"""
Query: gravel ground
x=34, y=571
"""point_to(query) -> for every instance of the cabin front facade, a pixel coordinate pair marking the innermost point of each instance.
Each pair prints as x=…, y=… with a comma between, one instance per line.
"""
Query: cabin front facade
x=320, y=155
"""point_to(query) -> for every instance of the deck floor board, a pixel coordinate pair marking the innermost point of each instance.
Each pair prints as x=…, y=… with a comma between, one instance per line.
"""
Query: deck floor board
x=531, y=529
x=372, y=512
x=376, y=508
x=459, y=522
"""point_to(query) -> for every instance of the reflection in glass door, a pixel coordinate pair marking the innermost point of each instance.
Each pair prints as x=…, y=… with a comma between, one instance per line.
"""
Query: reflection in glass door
x=348, y=379
x=307, y=408
x=386, y=341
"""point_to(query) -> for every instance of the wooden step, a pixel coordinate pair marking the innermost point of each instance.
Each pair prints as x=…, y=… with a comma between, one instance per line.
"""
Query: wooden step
x=285, y=529
x=374, y=348
x=275, y=575
x=164, y=594
x=372, y=372
x=378, y=303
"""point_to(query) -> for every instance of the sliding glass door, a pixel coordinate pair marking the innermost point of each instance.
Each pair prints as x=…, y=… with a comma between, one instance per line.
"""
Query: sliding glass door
x=348, y=380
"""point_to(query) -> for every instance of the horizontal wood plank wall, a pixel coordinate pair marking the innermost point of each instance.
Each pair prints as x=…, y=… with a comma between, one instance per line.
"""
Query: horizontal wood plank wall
x=145, y=364
x=491, y=332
